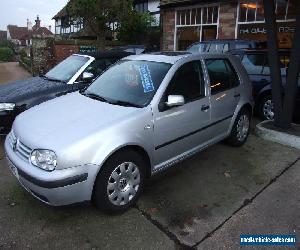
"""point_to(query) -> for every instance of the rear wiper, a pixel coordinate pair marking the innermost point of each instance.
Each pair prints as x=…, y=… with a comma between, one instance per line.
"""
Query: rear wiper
x=126, y=104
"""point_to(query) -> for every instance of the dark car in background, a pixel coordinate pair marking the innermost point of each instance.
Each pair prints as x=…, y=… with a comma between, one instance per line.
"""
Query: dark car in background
x=256, y=63
x=72, y=74
x=135, y=49
x=223, y=45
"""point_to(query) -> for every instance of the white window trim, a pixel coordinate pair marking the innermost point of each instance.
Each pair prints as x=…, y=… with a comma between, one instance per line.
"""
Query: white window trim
x=258, y=22
x=201, y=25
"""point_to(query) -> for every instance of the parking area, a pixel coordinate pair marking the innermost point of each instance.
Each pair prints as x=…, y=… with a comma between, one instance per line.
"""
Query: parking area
x=203, y=199
x=12, y=71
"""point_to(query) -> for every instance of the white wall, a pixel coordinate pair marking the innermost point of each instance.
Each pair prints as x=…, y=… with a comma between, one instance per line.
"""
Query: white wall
x=153, y=7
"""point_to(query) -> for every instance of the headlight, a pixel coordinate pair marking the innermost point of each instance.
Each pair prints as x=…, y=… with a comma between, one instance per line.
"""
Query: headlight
x=7, y=106
x=44, y=159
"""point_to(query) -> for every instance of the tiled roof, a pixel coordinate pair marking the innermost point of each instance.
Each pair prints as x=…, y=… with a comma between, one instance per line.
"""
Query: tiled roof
x=63, y=12
x=22, y=33
x=16, y=32
x=166, y=3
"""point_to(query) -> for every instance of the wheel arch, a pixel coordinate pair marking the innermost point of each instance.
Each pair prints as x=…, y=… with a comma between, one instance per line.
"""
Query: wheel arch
x=135, y=148
x=248, y=107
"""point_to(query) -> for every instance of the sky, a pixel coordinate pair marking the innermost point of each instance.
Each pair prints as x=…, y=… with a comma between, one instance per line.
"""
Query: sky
x=17, y=11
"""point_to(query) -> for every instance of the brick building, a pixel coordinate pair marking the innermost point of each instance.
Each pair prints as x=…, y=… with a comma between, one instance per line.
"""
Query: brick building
x=184, y=22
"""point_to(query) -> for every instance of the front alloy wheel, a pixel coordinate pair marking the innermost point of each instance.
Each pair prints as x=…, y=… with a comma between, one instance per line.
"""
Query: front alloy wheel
x=120, y=181
x=123, y=184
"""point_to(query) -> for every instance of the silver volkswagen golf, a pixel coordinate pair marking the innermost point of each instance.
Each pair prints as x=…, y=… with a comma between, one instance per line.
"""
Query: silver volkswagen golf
x=143, y=115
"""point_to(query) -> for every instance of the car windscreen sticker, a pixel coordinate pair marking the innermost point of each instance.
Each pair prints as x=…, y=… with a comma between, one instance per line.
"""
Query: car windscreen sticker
x=146, y=78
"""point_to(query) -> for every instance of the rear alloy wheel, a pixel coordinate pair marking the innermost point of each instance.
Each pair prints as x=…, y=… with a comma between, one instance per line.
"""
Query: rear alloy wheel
x=266, y=108
x=120, y=181
x=240, y=129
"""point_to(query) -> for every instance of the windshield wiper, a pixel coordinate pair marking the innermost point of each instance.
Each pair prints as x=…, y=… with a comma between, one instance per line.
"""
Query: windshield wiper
x=95, y=97
x=52, y=79
x=103, y=99
x=126, y=104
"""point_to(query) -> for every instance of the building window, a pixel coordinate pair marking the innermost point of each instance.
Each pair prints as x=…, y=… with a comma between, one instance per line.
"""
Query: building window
x=196, y=24
x=251, y=21
x=252, y=11
x=141, y=7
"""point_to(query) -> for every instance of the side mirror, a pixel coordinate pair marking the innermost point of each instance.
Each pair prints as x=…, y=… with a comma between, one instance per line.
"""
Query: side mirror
x=87, y=76
x=175, y=100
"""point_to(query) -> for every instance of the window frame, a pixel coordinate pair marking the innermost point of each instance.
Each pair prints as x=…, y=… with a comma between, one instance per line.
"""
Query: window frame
x=233, y=70
x=165, y=93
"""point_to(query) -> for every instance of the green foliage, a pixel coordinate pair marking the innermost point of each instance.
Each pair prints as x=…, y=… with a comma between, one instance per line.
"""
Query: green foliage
x=6, y=44
x=97, y=13
x=23, y=54
x=135, y=27
x=6, y=54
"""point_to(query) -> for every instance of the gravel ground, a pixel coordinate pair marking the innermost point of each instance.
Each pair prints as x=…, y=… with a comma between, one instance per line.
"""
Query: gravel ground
x=11, y=71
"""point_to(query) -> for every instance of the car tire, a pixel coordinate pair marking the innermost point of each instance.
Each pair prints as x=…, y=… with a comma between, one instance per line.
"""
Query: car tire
x=240, y=130
x=119, y=182
x=266, y=108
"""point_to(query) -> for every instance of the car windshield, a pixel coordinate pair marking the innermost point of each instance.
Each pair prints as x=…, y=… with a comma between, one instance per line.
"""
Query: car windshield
x=65, y=70
x=129, y=83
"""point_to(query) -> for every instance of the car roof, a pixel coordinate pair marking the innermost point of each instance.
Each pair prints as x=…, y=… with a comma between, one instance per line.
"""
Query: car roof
x=173, y=57
x=226, y=40
x=255, y=50
x=106, y=54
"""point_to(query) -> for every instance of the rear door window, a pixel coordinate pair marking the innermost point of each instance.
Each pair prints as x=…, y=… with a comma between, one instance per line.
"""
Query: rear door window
x=222, y=75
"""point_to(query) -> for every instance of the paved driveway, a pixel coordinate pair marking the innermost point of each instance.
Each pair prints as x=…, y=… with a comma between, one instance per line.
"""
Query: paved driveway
x=184, y=207
x=11, y=71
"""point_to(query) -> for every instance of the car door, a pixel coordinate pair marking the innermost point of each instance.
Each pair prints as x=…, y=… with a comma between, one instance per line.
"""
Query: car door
x=179, y=129
x=225, y=93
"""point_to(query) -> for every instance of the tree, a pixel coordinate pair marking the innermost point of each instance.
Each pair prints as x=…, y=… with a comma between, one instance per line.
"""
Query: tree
x=135, y=27
x=284, y=105
x=97, y=14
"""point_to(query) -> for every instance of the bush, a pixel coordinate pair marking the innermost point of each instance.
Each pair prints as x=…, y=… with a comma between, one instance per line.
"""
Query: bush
x=135, y=28
x=6, y=44
x=6, y=54
x=23, y=54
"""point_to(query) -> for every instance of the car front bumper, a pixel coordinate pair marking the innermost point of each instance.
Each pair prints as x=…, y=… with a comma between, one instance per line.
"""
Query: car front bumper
x=56, y=188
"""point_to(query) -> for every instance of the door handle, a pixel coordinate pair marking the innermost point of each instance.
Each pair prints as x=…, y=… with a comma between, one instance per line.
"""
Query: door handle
x=236, y=95
x=205, y=108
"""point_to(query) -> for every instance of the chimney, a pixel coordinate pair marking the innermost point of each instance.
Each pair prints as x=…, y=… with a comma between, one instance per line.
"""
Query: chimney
x=50, y=27
x=29, y=24
x=38, y=22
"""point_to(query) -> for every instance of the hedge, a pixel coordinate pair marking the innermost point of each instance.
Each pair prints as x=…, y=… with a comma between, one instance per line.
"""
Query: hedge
x=6, y=54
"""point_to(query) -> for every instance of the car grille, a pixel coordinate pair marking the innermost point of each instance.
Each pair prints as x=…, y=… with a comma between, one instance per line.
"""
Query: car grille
x=20, y=148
